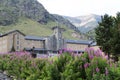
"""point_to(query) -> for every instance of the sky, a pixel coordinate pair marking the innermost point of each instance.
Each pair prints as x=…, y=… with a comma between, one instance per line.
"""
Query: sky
x=81, y=7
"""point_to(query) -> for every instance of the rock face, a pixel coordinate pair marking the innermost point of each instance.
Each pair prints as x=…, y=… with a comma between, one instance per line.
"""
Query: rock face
x=11, y=10
x=64, y=21
x=26, y=8
x=85, y=23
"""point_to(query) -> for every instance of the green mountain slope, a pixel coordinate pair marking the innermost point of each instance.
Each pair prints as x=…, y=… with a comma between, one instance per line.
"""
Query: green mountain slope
x=31, y=27
x=30, y=17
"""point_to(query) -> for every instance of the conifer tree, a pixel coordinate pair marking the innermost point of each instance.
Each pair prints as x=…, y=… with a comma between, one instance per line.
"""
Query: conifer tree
x=103, y=33
x=116, y=37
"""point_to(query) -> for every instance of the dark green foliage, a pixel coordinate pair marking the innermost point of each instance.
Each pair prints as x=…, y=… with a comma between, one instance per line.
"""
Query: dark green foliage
x=73, y=70
x=103, y=33
x=66, y=66
x=108, y=34
x=116, y=37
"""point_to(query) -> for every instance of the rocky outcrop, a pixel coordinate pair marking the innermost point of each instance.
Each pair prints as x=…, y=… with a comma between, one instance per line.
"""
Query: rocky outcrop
x=11, y=10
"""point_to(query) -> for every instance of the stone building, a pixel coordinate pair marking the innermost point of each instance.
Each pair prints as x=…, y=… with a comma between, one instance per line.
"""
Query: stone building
x=12, y=40
x=18, y=41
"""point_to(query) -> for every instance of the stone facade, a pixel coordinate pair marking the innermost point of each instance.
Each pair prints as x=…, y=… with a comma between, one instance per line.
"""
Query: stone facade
x=34, y=43
x=55, y=42
x=76, y=47
x=3, y=44
x=13, y=39
x=16, y=40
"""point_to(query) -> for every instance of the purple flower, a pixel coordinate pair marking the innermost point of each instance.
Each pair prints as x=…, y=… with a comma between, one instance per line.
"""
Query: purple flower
x=86, y=65
x=110, y=65
x=65, y=49
x=97, y=69
x=106, y=71
x=98, y=53
x=70, y=50
x=60, y=51
x=91, y=57
x=106, y=56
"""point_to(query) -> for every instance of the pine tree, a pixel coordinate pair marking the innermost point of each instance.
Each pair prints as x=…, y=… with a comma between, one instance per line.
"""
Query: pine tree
x=103, y=33
x=116, y=37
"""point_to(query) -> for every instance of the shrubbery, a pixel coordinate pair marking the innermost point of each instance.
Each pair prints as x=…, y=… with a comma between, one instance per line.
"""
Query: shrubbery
x=92, y=65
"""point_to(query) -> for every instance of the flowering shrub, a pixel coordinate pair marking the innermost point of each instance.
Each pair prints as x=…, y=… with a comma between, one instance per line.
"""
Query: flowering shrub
x=91, y=65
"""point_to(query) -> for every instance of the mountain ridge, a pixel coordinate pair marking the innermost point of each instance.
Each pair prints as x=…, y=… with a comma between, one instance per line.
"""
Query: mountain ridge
x=85, y=23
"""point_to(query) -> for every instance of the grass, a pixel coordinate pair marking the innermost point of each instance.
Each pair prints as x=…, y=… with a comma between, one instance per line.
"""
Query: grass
x=31, y=27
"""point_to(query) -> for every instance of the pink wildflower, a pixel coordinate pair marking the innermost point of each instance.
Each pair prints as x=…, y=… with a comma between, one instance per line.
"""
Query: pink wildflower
x=86, y=65
x=106, y=71
x=91, y=57
x=60, y=51
x=97, y=69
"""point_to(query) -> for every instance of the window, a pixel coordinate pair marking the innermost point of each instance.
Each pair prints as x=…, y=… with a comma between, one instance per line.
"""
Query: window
x=17, y=36
x=17, y=47
x=17, y=42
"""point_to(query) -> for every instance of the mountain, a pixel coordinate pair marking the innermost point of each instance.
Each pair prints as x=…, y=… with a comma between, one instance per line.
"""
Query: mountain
x=32, y=18
x=85, y=23
x=66, y=22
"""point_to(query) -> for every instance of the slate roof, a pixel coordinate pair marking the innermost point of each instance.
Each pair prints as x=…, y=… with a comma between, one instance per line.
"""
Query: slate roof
x=34, y=38
x=86, y=42
x=35, y=48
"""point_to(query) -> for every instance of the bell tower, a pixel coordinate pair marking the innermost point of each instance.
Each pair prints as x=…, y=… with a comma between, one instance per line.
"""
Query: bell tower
x=58, y=37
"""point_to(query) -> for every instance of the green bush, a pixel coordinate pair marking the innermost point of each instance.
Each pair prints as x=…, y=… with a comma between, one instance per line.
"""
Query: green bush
x=92, y=65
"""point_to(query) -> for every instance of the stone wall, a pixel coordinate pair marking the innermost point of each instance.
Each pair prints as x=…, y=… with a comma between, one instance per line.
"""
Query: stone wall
x=14, y=39
x=3, y=44
x=34, y=43
x=79, y=47
x=17, y=40
x=51, y=43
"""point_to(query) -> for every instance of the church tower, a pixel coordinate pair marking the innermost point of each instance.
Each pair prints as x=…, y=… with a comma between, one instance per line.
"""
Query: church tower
x=58, y=37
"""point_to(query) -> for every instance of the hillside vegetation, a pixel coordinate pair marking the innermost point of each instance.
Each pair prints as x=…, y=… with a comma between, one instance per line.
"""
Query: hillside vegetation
x=31, y=18
x=31, y=27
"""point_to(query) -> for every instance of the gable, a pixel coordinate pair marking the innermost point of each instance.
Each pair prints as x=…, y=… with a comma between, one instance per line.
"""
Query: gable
x=10, y=32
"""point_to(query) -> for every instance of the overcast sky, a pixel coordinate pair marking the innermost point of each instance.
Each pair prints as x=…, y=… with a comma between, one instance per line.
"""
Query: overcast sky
x=81, y=7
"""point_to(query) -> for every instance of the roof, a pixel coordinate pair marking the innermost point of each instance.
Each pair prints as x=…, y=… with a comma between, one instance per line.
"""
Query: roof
x=12, y=32
x=94, y=44
x=85, y=42
x=36, y=49
x=34, y=38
